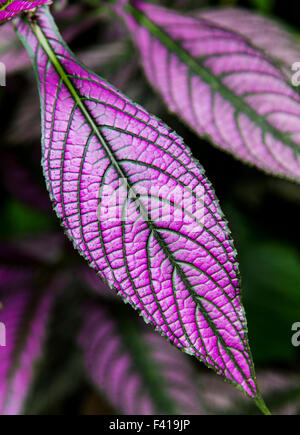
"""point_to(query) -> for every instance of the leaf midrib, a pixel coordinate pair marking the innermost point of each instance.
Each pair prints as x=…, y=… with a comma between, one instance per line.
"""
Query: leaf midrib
x=4, y=6
x=128, y=328
x=42, y=39
x=217, y=85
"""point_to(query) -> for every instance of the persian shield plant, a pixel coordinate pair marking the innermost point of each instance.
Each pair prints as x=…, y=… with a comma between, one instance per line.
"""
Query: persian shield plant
x=137, y=204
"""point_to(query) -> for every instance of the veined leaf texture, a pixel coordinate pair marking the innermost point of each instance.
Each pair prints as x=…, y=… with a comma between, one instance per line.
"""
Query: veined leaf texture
x=10, y=8
x=266, y=34
x=138, y=207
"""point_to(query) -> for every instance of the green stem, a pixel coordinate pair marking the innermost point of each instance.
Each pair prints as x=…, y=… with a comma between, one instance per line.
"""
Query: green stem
x=259, y=402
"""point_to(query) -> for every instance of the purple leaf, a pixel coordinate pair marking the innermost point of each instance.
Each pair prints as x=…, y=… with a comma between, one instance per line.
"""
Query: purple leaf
x=164, y=245
x=261, y=31
x=10, y=8
x=224, y=88
x=132, y=365
x=25, y=314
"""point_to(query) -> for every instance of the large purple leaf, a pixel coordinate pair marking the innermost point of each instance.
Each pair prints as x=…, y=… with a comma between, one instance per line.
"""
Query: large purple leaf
x=10, y=8
x=25, y=314
x=263, y=32
x=164, y=245
x=225, y=88
x=133, y=367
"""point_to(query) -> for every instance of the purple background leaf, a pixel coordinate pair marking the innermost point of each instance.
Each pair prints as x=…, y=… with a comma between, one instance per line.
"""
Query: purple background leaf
x=133, y=366
x=25, y=314
x=263, y=32
x=224, y=88
x=12, y=54
x=180, y=273
x=10, y=8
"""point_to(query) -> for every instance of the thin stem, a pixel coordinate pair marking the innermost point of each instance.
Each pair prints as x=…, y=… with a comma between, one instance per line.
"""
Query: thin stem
x=259, y=402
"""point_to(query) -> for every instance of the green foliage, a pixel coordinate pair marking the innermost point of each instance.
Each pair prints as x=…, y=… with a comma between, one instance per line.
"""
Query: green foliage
x=19, y=219
x=263, y=5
